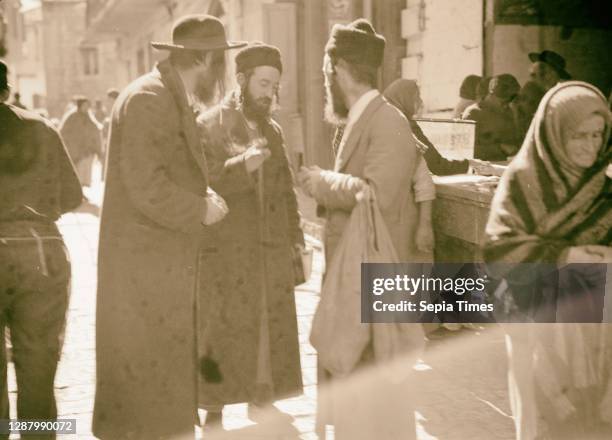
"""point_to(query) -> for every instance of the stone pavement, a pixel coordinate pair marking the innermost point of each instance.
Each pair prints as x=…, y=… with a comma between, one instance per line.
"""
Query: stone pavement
x=459, y=386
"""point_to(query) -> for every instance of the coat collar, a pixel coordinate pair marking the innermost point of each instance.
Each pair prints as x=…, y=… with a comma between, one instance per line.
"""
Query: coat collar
x=171, y=79
x=351, y=143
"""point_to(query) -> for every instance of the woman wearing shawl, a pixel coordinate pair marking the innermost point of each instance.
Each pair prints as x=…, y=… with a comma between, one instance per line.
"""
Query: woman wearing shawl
x=405, y=95
x=553, y=206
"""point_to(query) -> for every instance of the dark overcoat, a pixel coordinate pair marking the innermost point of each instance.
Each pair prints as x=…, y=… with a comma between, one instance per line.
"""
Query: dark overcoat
x=252, y=255
x=150, y=227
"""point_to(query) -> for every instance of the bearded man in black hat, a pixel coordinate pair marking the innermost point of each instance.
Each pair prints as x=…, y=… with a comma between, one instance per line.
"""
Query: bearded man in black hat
x=157, y=205
x=547, y=69
x=377, y=148
x=249, y=335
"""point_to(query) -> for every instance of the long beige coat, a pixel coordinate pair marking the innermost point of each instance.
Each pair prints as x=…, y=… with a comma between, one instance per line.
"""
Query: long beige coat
x=380, y=150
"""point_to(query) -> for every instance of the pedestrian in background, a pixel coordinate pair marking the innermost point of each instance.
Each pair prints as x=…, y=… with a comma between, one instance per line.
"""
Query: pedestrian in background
x=496, y=133
x=17, y=101
x=247, y=289
x=547, y=69
x=468, y=94
x=156, y=209
x=81, y=133
x=37, y=185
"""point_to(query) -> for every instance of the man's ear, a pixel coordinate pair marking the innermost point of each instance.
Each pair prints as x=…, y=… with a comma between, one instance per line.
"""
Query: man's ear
x=241, y=79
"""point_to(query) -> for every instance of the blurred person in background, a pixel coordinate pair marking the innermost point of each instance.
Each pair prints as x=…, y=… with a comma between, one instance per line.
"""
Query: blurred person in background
x=37, y=185
x=98, y=112
x=467, y=94
x=547, y=69
x=17, y=101
x=81, y=133
x=496, y=133
x=405, y=95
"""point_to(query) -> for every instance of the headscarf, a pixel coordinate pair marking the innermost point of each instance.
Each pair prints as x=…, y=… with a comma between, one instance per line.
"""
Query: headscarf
x=566, y=110
x=469, y=86
x=403, y=93
x=544, y=203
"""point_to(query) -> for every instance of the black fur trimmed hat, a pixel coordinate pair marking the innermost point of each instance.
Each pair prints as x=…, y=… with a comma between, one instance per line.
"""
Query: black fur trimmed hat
x=357, y=43
x=258, y=54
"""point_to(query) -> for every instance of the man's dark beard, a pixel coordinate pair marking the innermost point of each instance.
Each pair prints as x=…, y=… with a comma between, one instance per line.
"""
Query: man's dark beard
x=336, y=110
x=255, y=109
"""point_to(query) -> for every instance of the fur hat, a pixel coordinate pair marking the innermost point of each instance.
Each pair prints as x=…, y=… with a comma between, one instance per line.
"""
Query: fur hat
x=357, y=43
x=258, y=54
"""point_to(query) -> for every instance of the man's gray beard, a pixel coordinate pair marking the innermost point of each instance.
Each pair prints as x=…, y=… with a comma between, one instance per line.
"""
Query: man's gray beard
x=336, y=111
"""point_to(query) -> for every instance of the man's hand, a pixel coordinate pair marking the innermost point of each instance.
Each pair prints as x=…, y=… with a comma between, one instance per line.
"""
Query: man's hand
x=424, y=238
x=216, y=208
x=256, y=154
x=308, y=177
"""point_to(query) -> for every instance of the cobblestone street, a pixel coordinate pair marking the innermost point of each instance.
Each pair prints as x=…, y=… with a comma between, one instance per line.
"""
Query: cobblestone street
x=459, y=387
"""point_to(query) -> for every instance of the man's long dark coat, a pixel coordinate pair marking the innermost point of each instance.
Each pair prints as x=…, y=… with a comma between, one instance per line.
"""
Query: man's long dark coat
x=150, y=231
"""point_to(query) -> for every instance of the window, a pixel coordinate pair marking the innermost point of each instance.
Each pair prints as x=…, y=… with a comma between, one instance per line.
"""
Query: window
x=89, y=56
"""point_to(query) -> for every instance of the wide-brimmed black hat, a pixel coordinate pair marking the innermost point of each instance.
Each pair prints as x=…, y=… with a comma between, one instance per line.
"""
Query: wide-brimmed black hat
x=553, y=59
x=198, y=32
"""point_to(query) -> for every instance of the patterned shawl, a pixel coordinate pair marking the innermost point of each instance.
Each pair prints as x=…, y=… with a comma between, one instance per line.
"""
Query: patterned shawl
x=544, y=203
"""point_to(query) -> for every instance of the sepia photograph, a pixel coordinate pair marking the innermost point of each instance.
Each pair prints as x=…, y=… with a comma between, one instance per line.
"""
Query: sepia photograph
x=306, y=219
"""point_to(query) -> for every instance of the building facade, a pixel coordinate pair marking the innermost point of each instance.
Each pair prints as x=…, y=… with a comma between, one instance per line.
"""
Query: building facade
x=446, y=40
x=59, y=48
x=48, y=62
